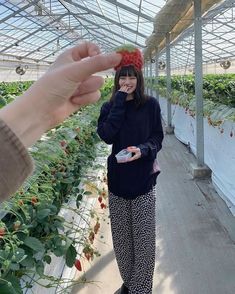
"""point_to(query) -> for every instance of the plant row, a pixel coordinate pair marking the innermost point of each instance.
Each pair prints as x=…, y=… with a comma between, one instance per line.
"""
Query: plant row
x=31, y=229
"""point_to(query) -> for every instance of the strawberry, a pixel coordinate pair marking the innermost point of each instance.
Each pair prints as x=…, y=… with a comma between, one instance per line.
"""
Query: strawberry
x=96, y=227
x=103, y=206
x=91, y=237
x=78, y=265
x=100, y=199
x=2, y=232
x=87, y=255
x=63, y=143
x=34, y=200
x=130, y=56
x=21, y=202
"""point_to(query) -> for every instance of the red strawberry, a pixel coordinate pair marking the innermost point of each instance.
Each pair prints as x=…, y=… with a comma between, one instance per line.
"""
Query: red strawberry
x=102, y=205
x=63, y=143
x=100, y=199
x=34, y=200
x=91, y=237
x=130, y=56
x=96, y=227
x=2, y=232
x=78, y=265
x=87, y=255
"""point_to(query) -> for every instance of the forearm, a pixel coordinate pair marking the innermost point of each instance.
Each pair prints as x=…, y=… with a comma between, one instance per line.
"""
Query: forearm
x=15, y=161
x=150, y=149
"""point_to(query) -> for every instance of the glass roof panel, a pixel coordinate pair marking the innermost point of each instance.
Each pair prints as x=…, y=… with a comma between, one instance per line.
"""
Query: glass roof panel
x=31, y=29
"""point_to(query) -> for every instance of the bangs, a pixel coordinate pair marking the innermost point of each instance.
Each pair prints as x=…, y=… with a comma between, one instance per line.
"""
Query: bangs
x=128, y=70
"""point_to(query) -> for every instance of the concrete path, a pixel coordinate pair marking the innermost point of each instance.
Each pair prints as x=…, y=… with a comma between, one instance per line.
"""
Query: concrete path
x=195, y=239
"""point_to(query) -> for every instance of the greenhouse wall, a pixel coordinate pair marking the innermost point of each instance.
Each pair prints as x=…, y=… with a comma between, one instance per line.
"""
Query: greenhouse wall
x=32, y=71
x=219, y=148
x=208, y=68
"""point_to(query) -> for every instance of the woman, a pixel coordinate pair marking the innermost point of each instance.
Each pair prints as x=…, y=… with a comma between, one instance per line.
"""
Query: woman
x=131, y=120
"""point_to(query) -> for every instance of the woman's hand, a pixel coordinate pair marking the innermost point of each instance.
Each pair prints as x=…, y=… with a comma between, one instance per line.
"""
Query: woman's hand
x=69, y=83
x=124, y=88
x=62, y=90
x=135, y=150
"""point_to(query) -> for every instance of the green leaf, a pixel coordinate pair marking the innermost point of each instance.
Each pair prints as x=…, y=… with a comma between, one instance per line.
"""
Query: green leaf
x=28, y=262
x=78, y=200
x=47, y=259
x=67, y=180
x=13, y=288
x=87, y=193
x=40, y=267
x=59, y=251
x=14, y=267
x=34, y=243
x=71, y=255
x=41, y=214
x=20, y=255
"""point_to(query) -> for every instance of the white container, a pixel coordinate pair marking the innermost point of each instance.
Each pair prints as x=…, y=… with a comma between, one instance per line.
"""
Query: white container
x=123, y=156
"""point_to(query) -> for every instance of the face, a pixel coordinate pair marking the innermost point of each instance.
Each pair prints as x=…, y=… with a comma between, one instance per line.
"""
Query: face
x=130, y=81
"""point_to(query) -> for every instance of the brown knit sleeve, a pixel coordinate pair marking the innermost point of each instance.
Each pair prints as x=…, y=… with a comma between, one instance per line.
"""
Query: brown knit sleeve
x=15, y=162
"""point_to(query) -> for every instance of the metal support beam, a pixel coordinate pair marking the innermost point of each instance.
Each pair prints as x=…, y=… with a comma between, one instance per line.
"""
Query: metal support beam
x=129, y=9
x=147, y=75
x=168, y=83
x=198, y=83
x=157, y=73
x=32, y=33
x=151, y=77
x=17, y=11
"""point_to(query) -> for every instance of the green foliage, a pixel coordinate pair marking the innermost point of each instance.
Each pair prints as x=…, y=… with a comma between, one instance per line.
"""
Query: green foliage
x=218, y=94
x=217, y=88
x=33, y=229
x=8, y=91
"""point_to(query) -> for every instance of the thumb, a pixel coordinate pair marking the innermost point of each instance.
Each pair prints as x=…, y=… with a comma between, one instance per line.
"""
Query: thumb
x=81, y=70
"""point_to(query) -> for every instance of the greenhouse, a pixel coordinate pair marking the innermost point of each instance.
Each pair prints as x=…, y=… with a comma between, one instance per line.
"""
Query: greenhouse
x=62, y=229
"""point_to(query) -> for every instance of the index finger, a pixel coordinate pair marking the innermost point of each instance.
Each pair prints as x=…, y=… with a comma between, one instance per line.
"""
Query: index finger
x=83, y=50
x=81, y=70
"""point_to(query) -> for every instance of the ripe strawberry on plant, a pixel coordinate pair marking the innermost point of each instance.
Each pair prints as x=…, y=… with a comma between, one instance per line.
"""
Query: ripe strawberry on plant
x=130, y=56
x=78, y=265
x=103, y=206
x=2, y=232
x=91, y=237
x=96, y=227
x=34, y=200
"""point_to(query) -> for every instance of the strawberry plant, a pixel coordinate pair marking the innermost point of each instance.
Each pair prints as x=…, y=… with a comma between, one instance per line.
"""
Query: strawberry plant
x=31, y=230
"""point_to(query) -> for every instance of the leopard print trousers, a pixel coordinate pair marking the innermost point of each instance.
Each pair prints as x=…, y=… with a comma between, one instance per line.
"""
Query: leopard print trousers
x=134, y=239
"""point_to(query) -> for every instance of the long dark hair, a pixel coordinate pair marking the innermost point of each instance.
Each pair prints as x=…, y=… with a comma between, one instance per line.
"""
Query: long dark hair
x=130, y=71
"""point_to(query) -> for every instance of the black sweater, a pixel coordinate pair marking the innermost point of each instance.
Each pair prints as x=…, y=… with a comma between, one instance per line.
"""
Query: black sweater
x=122, y=124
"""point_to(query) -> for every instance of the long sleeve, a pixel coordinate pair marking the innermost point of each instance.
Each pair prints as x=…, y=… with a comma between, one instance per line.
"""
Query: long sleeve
x=150, y=148
x=15, y=162
x=111, y=118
